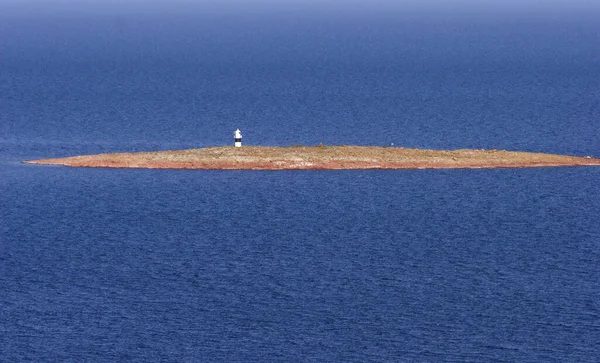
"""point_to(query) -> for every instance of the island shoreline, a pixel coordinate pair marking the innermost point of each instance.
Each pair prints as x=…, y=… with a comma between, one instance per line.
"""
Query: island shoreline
x=320, y=158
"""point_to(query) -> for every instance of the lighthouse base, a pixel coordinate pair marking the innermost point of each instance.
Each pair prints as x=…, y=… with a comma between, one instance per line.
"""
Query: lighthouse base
x=238, y=144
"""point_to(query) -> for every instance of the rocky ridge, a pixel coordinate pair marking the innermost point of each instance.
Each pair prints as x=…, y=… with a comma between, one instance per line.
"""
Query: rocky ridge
x=319, y=157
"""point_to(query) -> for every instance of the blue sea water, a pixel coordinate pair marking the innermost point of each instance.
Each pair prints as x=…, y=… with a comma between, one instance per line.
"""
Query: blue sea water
x=421, y=265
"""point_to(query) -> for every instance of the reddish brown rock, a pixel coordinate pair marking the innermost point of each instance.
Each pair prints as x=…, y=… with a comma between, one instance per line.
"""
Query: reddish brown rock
x=320, y=158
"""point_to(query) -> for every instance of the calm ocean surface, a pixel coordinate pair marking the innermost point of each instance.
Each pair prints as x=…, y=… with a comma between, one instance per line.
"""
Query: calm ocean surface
x=241, y=266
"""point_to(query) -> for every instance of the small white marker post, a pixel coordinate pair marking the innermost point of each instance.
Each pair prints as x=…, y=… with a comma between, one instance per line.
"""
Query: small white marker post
x=237, y=138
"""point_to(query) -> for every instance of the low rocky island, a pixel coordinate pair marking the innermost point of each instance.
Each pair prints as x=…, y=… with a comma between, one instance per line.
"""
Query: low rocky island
x=320, y=157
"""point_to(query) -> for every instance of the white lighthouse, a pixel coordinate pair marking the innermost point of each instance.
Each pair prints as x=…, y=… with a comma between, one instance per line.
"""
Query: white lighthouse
x=237, y=137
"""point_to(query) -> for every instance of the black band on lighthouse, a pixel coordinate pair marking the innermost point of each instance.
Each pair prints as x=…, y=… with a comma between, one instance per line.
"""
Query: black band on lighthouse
x=238, y=140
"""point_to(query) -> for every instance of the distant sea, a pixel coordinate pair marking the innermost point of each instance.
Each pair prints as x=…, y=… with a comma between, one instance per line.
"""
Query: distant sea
x=242, y=266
